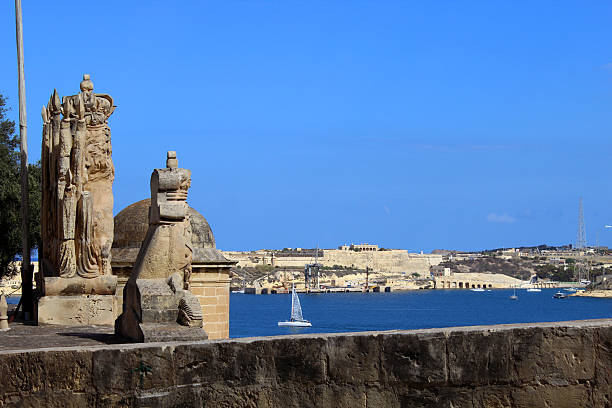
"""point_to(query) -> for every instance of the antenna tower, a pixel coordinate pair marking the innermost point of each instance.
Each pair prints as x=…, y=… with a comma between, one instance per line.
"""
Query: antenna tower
x=581, y=236
x=582, y=264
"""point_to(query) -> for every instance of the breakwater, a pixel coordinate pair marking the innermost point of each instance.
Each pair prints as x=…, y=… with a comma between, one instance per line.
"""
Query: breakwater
x=562, y=364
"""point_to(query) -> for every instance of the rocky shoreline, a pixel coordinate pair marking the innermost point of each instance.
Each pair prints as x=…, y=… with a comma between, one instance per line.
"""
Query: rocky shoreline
x=594, y=293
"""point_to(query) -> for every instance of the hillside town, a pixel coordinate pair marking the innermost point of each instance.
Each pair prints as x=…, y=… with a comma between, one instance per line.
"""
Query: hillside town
x=365, y=267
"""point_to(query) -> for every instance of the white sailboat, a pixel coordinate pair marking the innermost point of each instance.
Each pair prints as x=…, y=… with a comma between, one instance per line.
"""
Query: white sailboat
x=297, y=320
x=514, y=297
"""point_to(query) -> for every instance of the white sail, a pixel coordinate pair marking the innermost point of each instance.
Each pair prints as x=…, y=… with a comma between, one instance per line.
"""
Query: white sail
x=297, y=320
x=296, y=308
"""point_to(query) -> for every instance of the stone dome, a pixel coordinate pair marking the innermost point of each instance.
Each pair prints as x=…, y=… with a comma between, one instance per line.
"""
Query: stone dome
x=131, y=226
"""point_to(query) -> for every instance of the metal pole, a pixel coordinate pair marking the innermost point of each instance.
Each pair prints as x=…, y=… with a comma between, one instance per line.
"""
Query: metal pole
x=26, y=271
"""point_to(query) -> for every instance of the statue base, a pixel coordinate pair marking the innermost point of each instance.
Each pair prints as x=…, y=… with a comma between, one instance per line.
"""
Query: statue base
x=77, y=310
x=151, y=313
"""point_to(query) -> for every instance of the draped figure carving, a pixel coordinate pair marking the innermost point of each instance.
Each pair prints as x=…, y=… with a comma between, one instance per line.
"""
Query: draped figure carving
x=77, y=196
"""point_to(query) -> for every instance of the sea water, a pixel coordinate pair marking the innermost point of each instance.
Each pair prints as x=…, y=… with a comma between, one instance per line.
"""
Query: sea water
x=258, y=315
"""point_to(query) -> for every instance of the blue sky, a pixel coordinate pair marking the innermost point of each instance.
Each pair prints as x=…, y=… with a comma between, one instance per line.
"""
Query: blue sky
x=417, y=125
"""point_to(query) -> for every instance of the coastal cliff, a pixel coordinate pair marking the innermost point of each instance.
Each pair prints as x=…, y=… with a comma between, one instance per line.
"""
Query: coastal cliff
x=564, y=364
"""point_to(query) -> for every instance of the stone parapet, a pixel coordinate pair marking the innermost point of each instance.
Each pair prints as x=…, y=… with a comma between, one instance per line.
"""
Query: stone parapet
x=562, y=364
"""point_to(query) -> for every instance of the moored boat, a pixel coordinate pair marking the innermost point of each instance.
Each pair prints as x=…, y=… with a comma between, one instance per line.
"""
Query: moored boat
x=297, y=320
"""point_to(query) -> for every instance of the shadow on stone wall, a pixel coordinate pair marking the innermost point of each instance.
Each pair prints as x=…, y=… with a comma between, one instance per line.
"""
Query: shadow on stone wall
x=529, y=365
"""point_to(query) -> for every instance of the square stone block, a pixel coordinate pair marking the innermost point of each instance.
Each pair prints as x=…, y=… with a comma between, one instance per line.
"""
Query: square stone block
x=77, y=310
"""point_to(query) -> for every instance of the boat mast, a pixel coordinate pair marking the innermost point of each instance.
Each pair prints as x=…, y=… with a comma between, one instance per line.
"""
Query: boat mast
x=317, y=266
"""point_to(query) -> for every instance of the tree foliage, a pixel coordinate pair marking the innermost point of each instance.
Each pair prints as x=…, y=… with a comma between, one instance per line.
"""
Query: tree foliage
x=556, y=273
x=10, y=196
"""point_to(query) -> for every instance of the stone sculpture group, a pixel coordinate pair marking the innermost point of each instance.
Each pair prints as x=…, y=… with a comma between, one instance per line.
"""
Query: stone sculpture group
x=77, y=209
x=75, y=277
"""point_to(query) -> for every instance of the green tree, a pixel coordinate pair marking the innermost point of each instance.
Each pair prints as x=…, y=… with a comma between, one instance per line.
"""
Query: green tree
x=10, y=196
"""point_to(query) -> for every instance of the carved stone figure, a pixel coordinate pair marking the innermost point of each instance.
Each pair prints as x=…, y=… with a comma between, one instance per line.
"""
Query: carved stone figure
x=157, y=303
x=77, y=197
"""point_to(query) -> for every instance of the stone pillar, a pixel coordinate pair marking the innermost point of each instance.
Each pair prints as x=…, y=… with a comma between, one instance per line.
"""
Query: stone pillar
x=211, y=285
x=75, y=280
x=3, y=314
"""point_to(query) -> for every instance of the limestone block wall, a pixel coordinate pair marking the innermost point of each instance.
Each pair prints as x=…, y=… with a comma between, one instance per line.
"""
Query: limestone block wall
x=212, y=288
x=397, y=260
x=525, y=365
x=476, y=280
x=394, y=261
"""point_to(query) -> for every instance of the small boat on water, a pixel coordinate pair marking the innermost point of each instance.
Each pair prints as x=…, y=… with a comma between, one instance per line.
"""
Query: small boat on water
x=570, y=289
x=297, y=320
x=534, y=290
x=514, y=297
x=559, y=295
x=477, y=290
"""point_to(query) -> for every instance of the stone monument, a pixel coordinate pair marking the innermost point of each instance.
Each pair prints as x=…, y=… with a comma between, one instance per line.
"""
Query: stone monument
x=157, y=303
x=210, y=274
x=75, y=281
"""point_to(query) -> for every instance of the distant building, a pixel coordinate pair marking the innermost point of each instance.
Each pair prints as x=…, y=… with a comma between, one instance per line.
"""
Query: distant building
x=364, y=247
x=359, y=247
x=440, y=270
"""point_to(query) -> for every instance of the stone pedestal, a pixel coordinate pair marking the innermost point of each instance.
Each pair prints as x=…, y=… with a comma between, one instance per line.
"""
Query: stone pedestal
x=77, y=310
x=77, y=301
x=155, y=318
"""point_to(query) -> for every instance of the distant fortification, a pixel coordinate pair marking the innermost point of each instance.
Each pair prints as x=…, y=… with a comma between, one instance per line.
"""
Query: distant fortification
x=392, y=261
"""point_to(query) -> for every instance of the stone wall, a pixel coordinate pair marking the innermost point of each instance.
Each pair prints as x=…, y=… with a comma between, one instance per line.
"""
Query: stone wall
x=394, y=261
x=477, y=280
x=524, y=365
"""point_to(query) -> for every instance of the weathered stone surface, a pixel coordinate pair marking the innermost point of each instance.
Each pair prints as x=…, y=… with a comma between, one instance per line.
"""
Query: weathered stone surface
x=421, y=368
x=209, y=280
x=100, y=285
x=76, y=310
x=78, y=173
x=77, y=200
x=157, y=292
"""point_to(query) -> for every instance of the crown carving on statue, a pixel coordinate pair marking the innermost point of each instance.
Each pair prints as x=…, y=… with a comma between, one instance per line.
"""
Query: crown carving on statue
x=94, y=108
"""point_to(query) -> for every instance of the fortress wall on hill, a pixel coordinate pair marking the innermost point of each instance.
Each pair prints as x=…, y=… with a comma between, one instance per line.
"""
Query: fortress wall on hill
x=394, y=261
x=383, y=261
x=564, y=364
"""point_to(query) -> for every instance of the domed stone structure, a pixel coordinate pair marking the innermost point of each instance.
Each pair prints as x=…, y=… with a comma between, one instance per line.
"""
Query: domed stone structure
x=210, y=269
x=131, y=226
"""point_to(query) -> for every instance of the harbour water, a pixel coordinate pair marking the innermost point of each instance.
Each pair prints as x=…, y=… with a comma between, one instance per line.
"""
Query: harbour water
x=257, y=315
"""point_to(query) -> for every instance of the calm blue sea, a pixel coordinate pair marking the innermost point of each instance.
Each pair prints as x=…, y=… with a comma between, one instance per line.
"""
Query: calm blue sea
x=257, y=315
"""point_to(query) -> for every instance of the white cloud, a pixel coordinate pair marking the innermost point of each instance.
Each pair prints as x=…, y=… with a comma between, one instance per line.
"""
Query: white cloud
x=503, y=218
